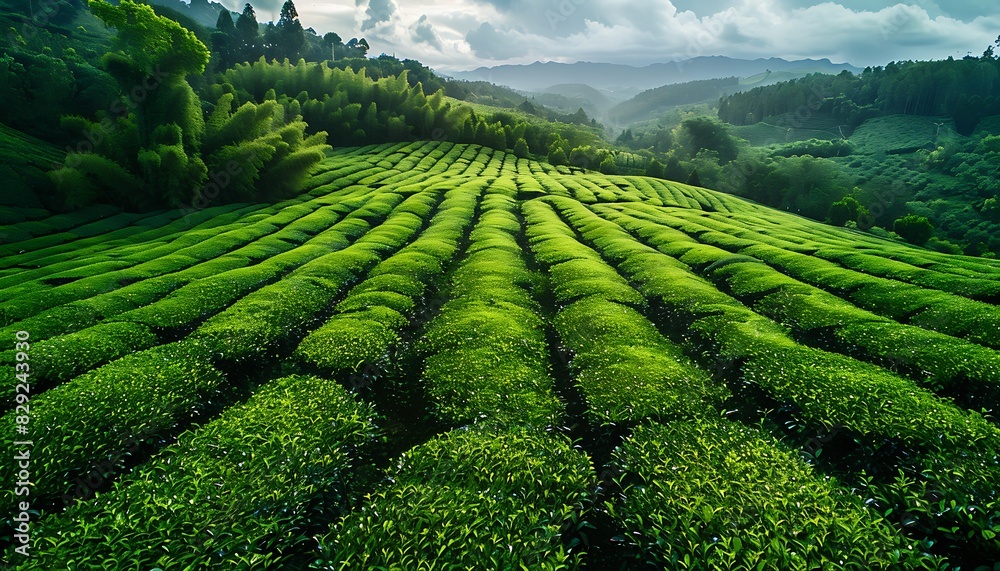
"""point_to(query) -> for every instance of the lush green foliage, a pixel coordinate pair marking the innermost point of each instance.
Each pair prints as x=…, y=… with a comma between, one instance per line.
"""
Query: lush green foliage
x=914, y=229
x=166, y=152
x=965, y=89
x=487, y=352
x=652, y=100
x=134, y=402
x=470, y=499
x=368, y=320
x=718, y=495
x=513, y=324
x=910, y=138
x=232, y=494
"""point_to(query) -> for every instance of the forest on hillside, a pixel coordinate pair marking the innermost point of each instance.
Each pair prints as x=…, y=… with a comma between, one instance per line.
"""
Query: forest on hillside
x=967, y=90
x=271, y=303
x=152, y=108
x=258, y=104
x=907, y=150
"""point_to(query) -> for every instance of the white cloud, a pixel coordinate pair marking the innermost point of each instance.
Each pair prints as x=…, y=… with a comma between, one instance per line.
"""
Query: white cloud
x=462, y=34
x=375, y=12
x=423, y=32
x=489, y=43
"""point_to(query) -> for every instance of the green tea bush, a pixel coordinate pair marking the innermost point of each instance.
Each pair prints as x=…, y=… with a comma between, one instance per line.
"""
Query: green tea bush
x=811, y=269
x=98, y=278
x=110, y=215
x=45, y=249
x=958, y=449
x=398, y=302
x=395, y=283
x=201, y=298
x=576, y=269
x=259, y=322
x=470, y=499
x=349, y=341
x=368, y=321
x=752, y=278
x=941, y=362
x=656, y=312
x=981, y=289
x=976, y=321
x=236, y=493
x=132, y=403
x=575, y=279
x=487, y=356
x=719, y=495
x=626, y=370
x=806, y=311
x=489, y=365
x=61, y=358
x=553, y=248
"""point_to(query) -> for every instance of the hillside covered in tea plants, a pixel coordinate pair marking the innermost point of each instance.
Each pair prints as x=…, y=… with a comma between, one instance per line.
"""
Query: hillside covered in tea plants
x=444, y=356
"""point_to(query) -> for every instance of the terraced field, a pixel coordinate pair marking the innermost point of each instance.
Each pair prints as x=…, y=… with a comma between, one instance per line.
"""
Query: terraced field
x=446, y=357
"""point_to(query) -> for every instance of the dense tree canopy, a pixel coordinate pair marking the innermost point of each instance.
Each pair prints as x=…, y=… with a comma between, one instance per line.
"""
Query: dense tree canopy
x=148, y=115
x=151, y=44
x=914, y=229
x=967, y=90
x=162, y=152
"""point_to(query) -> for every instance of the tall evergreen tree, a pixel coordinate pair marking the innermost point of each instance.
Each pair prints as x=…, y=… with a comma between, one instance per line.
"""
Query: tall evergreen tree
x=225, y=23
x=248, y=35
x=224, y=40
x=334, y=45
x=290, y=35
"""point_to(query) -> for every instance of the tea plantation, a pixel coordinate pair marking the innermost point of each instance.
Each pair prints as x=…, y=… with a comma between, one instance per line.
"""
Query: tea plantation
x=445, y=357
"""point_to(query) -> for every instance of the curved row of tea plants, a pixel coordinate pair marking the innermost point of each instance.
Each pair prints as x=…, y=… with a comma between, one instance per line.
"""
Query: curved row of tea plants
x=570, y=371
x=487, y=355
x=240, y=492
x=952, y=451
x=368, y=321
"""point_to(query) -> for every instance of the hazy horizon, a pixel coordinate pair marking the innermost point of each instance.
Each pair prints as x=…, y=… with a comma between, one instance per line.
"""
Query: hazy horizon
x=644, y=65
x=451, y=35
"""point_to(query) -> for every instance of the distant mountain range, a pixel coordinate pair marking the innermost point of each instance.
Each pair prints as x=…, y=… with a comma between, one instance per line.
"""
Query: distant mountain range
x=617, y=78
x=205, y=12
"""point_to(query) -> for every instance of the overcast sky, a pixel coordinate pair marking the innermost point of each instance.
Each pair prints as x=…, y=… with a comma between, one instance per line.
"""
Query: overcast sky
x=457, y=34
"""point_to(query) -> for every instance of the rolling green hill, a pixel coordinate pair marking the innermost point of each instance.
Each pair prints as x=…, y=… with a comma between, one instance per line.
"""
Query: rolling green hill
x=444, y=355
x=24, y=160
x=654, y=102
x=900, y=134
x=567, y=98
x=768, y=133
